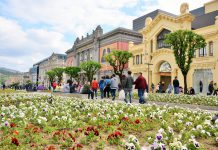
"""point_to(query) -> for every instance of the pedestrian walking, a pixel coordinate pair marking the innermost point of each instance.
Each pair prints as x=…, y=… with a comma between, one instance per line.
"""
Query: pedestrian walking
x=169, y=88
x=160, y=87
x=152, y=87
x=128, y=87
x=94, y=87
x=211, y=88
x=107, y=87
x=201, y=86
x=141, y=85
x=54, y=85
x=176, y=85
x=102, y=86
x=157, y=88
x=114, y=86
x=215, y=89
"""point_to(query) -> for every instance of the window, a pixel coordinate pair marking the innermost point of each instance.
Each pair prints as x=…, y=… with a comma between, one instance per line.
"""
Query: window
x=105, y=52
x=141, y=58
x=202, y=52
x=161, y=38
x=151, y=46
x=211, y=48
x=137, y=59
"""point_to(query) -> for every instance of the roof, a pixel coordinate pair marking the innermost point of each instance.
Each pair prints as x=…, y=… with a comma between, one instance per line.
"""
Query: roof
x=139, y=23
x=204, y=20
x=198, y=11
x=120, y=30
x=47, y=58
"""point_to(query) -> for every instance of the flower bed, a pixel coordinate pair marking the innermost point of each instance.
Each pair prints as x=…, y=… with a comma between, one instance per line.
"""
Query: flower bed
x=183, y=99
x=34, y=121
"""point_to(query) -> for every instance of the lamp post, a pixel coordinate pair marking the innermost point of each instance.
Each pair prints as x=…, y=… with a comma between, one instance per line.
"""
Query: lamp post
x=149, y=64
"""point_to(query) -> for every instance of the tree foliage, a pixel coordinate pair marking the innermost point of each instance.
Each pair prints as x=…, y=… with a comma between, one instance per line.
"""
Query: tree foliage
x=118, y=59
x=51, y=75
x=90, y=68
x=184, y=43
x=59, y=73
x=72, y=72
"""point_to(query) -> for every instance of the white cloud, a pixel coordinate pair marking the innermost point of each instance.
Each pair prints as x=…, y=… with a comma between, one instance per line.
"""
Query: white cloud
x=172, y=6
x=21, y=48
x=76, y=17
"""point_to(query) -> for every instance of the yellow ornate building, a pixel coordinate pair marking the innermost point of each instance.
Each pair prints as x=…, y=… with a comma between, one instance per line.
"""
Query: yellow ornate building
x=154, y=51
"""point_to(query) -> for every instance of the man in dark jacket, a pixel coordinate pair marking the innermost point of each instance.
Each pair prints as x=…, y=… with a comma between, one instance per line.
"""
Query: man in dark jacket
x=176, y=85
x=128, y=87
x=211, y=88
x=201, y=86
x=141, y=85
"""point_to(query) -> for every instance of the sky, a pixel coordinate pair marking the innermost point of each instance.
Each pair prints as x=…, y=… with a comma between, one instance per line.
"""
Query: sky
x=31, y=30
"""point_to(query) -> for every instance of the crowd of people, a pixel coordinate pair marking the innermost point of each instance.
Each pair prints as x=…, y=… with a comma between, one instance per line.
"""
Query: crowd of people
x=109, y=86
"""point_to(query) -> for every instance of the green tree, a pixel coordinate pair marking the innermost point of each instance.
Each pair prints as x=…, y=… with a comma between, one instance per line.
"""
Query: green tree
x=59, y=74
x=118, y=59
x=90, y=68
x=184, y=43
x=51, y=75
x=72, y=72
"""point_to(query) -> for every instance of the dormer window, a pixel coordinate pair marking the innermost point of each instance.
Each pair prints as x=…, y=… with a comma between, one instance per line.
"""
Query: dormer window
x=161, y=38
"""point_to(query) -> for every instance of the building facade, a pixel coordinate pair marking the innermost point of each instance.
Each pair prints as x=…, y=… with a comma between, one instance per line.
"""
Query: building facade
x=97, y=45
x=156, y=60
x=54, y=61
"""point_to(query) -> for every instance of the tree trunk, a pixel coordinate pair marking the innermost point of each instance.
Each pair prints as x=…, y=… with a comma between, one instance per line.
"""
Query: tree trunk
x=185, y=83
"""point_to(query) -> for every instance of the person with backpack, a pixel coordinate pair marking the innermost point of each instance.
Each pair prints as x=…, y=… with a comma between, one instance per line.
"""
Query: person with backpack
x=114, y=86
x=102, y=86
x=94, y=87
x=141, y=85
x=107, y=86
x=128, y=87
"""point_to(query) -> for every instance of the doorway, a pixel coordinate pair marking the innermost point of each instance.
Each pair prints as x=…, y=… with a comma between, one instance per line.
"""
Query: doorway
x=166, y=80
x=204, y=75
x=165, y=74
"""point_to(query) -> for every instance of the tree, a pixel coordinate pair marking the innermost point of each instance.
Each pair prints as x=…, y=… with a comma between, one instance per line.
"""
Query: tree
x=51, y=75
x=72, y=72
x=90, y=68
x=59, y=73
x=184, y=43
x=118, y=59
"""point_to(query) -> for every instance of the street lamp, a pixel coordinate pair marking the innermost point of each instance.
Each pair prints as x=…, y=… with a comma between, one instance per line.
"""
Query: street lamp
x=149, y=64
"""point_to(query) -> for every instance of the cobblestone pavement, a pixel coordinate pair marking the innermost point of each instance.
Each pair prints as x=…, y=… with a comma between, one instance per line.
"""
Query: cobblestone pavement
x=135, y=101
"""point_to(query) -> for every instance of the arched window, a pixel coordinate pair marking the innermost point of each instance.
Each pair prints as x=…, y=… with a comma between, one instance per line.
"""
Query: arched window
x=161, y=38
x=105, y=52
x=165, y=67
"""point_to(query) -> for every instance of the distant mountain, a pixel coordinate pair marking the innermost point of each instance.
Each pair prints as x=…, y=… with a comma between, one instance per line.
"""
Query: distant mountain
x=6, y=71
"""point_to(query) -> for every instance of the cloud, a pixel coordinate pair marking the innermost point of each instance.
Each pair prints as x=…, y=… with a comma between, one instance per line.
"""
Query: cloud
x=77, y=17
x=21, y=48
x=172, y=6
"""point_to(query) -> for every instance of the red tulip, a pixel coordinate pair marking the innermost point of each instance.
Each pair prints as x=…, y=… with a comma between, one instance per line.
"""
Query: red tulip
x=15, y=141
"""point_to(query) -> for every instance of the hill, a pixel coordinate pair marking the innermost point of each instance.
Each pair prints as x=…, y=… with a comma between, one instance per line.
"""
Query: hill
x=8, y=72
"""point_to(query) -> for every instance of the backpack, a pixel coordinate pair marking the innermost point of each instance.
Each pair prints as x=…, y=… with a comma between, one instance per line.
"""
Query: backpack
x=108, y=84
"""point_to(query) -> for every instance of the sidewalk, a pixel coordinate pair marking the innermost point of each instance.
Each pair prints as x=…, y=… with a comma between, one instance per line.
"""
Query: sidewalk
x=135, y=101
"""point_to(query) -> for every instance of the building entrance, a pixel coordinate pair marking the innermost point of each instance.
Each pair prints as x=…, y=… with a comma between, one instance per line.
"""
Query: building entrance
x=204, y=75
x=165, y=75
x=165, y=80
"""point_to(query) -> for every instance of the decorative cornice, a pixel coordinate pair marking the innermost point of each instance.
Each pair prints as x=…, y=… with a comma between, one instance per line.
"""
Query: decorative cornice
x=207, y=65
x=161, y=52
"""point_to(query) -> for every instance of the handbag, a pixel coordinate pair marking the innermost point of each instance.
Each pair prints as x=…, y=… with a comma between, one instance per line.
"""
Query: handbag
x=121, y=95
